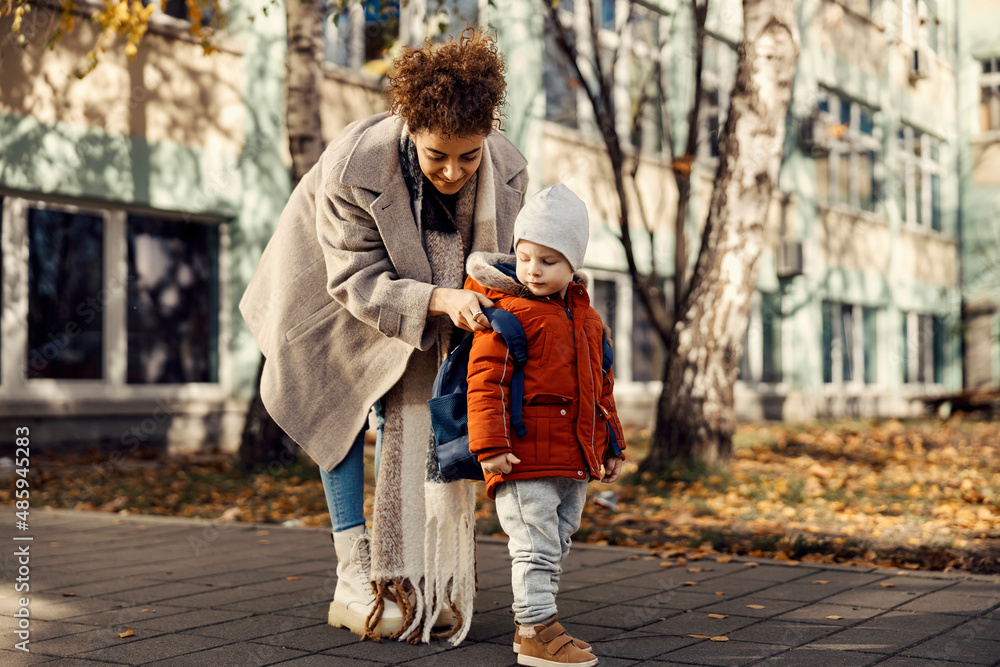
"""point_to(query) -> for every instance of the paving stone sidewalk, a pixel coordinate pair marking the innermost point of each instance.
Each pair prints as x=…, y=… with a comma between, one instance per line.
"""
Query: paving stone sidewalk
x=218, y=593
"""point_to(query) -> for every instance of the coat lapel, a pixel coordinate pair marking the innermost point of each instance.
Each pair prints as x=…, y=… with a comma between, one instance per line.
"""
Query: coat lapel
x=374, y=166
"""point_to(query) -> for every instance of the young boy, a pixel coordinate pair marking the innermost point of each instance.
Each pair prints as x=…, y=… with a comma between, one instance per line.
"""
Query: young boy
x=540, y=480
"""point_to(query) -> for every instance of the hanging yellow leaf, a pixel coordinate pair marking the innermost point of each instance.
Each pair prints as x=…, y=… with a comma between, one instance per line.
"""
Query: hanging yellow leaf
x=128, y=633
x=718, y=616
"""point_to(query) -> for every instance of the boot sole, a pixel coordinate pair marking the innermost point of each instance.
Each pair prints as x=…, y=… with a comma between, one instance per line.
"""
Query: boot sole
x=532, y=661
x=340, y=617
x=517, y=648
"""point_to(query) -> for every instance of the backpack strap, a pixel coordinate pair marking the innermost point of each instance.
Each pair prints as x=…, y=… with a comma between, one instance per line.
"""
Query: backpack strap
x=608, y=355
x=507, y=325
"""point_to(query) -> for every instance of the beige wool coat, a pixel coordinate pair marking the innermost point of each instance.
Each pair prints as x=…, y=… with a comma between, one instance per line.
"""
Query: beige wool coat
x=339, y=300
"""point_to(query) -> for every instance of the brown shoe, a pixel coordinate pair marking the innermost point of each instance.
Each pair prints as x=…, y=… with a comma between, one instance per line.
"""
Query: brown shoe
x=548, y=645
x=579, y=643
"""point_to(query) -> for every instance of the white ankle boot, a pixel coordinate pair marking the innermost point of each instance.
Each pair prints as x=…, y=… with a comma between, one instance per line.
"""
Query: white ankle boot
x=353, y=599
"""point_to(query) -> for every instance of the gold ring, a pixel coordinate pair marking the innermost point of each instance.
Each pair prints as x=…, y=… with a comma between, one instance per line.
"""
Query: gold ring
x=477, y=314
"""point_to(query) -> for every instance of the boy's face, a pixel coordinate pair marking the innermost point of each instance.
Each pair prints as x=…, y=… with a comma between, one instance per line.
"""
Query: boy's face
x=542, y=270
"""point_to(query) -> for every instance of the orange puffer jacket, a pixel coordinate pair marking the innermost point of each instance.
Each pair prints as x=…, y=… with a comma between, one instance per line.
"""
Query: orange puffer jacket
x=569, y=409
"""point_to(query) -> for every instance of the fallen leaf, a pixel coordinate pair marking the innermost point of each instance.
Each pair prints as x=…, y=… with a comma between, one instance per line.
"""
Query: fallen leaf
x=756, y=606
x=667, y=563
x=128, y=633
x=696, y=556
x=292, y=578
x=146, y=609
x=821, y=581
x=263, y=532
x=69, y=594
x=633, y=557
x=262, y=542
x=718, y=616
x=701, y=636
x=752, y=564
x=834, y=618
x=140, y=528
x=689, y=583
x=724, y=559
x=719, y=639
x=719, y=593
x=887, y=585
x=696, y=570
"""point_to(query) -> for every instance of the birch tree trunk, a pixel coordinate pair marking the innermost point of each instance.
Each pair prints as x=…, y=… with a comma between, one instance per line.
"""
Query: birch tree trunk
x=695, y=415
x=263, y=441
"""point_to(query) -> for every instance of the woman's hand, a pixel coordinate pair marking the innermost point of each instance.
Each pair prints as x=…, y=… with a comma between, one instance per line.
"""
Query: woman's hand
x=501, y=463
x=464, y=307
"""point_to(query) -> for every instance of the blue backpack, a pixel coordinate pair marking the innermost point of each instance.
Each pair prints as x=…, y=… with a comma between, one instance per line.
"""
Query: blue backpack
x=450, y=411
x=448, y=406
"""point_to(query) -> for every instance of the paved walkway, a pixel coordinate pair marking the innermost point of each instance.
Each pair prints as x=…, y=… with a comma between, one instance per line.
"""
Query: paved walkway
x=214, y=593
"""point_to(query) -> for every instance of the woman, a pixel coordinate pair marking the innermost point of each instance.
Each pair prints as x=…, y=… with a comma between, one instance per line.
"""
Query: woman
x=354, y=300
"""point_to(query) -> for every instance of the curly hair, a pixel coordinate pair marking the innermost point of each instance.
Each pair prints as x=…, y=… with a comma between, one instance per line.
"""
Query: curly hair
x=456, y=89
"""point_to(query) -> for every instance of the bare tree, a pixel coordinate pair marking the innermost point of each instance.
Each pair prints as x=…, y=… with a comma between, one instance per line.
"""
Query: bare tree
x=703, y=332
x=263, y=441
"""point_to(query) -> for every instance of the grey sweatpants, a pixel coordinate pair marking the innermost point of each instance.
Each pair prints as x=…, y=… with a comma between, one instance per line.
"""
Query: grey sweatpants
x=539, y=516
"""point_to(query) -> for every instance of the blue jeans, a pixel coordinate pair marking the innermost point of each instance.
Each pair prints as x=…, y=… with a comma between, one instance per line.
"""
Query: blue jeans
x=539, y=517
x=344, y=486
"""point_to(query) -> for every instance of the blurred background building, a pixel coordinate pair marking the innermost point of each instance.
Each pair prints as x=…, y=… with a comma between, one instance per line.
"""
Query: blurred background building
x=137, y=200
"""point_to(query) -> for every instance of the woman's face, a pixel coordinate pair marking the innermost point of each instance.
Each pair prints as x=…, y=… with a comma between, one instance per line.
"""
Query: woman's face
x=448, y=162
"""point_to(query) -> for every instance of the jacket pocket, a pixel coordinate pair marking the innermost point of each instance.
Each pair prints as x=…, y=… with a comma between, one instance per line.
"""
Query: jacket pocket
x=311, y=321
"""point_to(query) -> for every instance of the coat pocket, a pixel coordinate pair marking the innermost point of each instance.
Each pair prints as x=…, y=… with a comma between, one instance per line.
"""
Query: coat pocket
x=311, y=321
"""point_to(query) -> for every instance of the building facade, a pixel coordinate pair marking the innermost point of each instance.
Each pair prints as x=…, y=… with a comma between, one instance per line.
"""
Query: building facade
x=136, y=203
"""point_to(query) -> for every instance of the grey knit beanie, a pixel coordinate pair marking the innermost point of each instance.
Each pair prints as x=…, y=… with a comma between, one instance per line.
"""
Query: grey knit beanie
x=555, y=218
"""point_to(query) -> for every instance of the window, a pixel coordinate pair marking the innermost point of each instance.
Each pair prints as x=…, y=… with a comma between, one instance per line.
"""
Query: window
x=718, y=70
x=173, y=301
x=638, y=73
x=104, y=302
x=361, y=34
x=845, y=170
x=989, y=95
x=761, y=360
x=647, y=351
x=919, y=178
x=850, y=344
x=65, y=290
x=920, y=24
x=923, y=353
x=604, y=299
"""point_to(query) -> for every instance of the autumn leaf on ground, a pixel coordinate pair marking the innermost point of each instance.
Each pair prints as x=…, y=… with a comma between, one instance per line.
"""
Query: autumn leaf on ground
x=821, y=581
x=834, y=617
x=701, y=636
x=887, y=585
x=292, y=578
x=756, y=606
x=128, y=633
x=719, y=639
x=696, y=570
x=724, y=559
x=69, y=594
x=718, y=616
x=689, y=583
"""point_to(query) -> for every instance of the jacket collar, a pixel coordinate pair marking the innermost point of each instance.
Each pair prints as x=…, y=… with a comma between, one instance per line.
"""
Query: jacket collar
x=496, y=271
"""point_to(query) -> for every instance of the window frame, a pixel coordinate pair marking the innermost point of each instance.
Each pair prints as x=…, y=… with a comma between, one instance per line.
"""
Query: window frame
x=113, y=384
x=989, y=80
x=859, y=343
x=851, y=144
x=752, y=364
x=928, y=167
